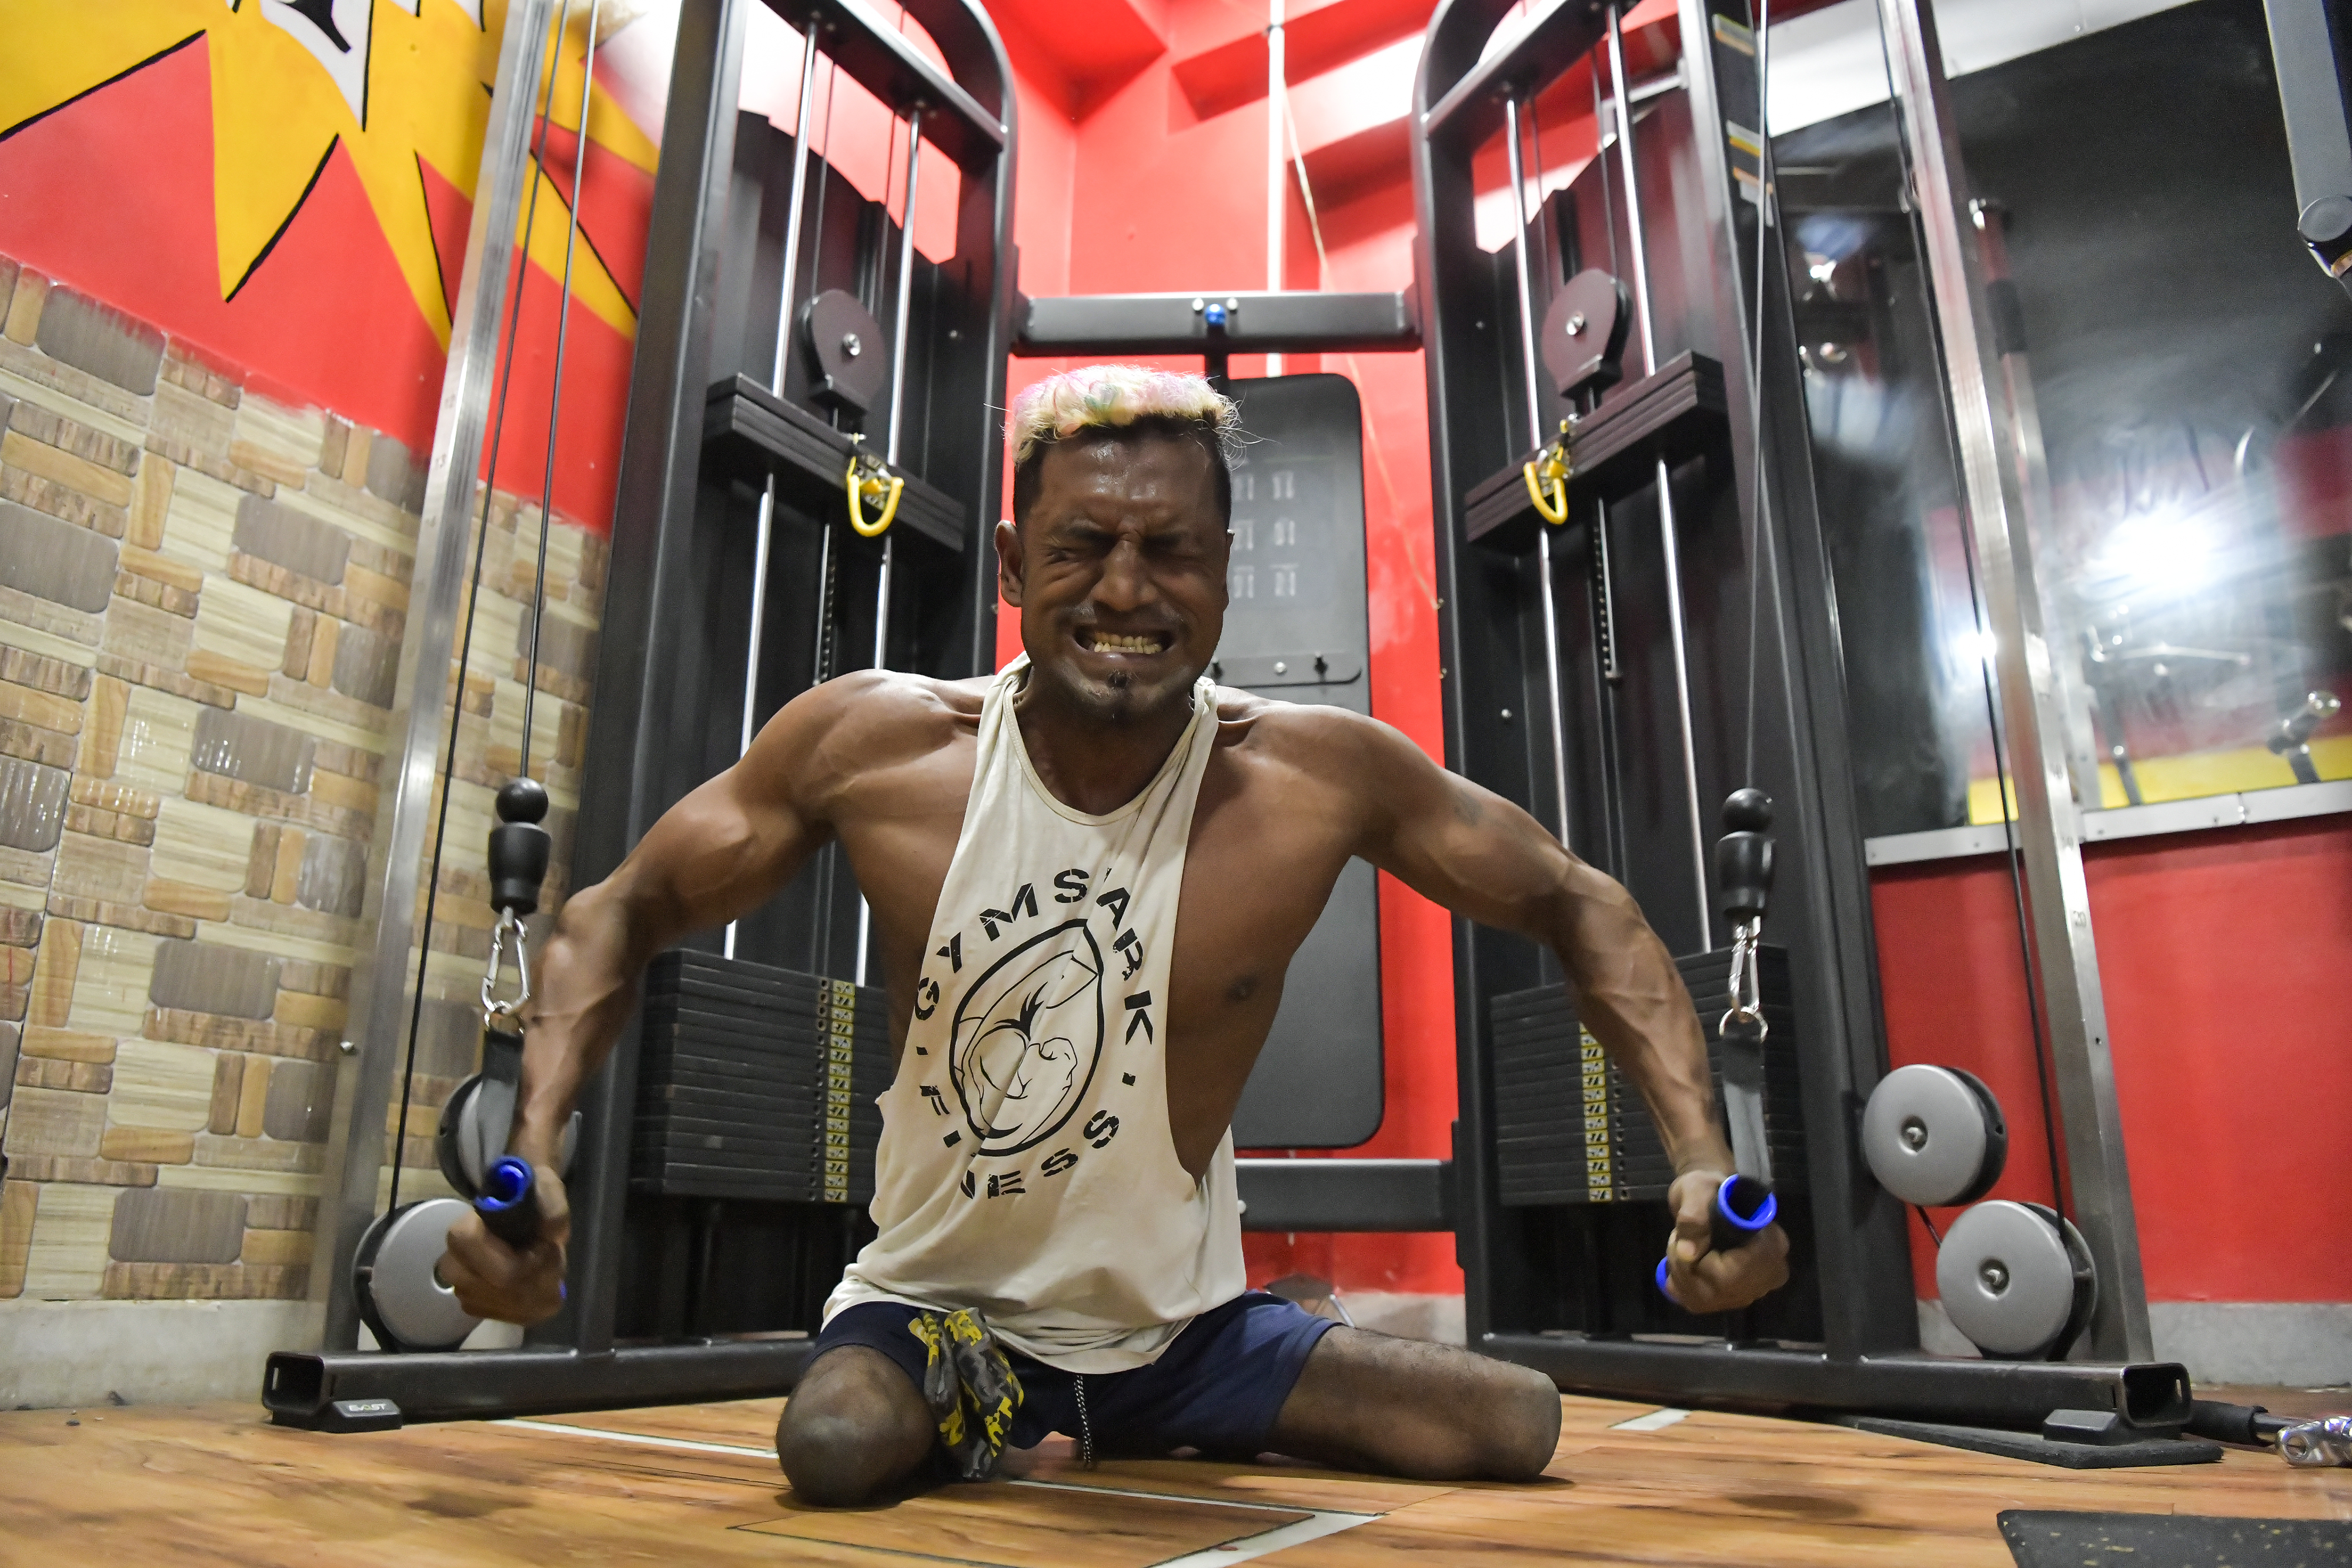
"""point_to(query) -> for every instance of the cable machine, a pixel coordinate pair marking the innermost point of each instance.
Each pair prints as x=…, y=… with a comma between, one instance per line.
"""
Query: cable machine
x=803, y=490
x=1638, y=620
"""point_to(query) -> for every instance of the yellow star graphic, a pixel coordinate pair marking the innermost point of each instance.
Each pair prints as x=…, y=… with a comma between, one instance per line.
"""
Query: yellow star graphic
x=293, y=79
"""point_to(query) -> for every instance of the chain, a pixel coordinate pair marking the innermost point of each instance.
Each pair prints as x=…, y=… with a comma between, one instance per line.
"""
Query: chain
x=1085, y=1428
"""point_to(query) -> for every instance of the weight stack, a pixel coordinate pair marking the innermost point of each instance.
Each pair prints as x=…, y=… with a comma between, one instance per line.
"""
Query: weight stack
x=758, y=1082
x=1571, y=1127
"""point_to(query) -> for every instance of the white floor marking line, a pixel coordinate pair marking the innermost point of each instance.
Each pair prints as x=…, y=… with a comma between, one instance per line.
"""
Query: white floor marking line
x=1187, y=1497
x=1275, y=1540
x=1656, y=1420
x=1319, y=1522
x=687, y=1443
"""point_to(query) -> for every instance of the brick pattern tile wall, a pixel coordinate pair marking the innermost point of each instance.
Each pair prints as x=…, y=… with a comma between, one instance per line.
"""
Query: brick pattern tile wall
x=203, y=595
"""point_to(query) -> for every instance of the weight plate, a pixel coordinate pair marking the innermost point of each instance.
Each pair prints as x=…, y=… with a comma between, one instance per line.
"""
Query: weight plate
x=1932, y=1136
x=400, y=1296
x=2009, y=1279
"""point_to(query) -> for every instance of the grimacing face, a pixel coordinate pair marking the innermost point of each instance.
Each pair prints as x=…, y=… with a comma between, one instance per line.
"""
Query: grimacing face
x=1120, y=572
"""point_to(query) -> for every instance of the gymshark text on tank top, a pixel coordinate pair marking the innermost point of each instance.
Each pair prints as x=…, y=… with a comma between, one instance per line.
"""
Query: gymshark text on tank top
x=1025, y=1167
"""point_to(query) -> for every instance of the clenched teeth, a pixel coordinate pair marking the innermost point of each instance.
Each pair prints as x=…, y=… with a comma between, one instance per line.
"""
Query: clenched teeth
x=1113, y=642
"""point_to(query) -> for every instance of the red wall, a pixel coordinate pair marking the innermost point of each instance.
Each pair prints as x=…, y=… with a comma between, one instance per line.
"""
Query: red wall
x=2222, y=956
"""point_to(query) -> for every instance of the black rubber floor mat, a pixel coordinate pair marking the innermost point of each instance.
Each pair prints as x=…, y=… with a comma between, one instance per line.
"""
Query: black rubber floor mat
x=2034, y=1446
x=2173, y=1541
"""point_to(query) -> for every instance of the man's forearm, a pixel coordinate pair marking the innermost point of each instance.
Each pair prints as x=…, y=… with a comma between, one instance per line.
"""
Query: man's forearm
x=587, y=987
x=1632, y=998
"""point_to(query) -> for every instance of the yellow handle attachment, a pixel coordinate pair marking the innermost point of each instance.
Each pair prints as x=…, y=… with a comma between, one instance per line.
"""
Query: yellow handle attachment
x=869, y=480
x=1547, y=477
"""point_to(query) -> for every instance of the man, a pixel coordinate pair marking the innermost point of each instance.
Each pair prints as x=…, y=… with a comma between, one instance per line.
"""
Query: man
x=1088, y=875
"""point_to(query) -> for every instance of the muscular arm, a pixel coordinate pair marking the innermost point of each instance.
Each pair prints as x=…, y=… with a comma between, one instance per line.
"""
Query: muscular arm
x=716, y=855
x=1478, y=854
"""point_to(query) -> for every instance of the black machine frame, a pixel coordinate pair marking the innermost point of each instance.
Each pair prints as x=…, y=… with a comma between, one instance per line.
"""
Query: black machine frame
x=702, y=440
x=1695, y=418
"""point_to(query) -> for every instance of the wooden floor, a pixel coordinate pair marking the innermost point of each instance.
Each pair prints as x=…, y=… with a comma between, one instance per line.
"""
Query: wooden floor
x=699, y=1484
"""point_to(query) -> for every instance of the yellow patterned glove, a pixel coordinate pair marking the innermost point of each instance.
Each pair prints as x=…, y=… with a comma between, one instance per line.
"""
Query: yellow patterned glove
x=970, y=1387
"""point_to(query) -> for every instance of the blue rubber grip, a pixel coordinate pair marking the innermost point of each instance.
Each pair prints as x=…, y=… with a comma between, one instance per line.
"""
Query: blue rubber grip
x=507, y=1206
x=1743, y=1206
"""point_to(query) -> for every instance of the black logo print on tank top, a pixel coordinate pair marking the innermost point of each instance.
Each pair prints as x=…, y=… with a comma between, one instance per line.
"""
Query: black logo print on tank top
x=1028, y=1037
x=1028, y=1032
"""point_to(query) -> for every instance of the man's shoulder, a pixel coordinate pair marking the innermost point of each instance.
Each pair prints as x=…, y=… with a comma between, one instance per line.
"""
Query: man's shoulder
x=871, y=718
x=1311, y=736
x=891, y=697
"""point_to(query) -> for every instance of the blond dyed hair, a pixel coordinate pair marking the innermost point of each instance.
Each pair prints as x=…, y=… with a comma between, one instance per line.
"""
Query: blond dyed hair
x=1111, y=397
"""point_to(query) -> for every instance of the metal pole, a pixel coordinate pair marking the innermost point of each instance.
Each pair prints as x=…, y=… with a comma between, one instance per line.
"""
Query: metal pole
x=1667, y=536
x=379, y=1001
x=1632, y=192
x=1535, y=440
x=793, y=209
x=1519, y=268
x=2032, y=709
x=890, y=455
x=760, y=549
x=1278, y=92
x=898, y=358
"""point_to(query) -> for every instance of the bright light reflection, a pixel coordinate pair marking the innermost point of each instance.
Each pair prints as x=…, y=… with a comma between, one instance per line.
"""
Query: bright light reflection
x=2162, y=552
x=1974, y=644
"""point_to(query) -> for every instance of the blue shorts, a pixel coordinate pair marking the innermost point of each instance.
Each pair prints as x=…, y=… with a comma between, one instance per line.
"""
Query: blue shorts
x=1217, y=1387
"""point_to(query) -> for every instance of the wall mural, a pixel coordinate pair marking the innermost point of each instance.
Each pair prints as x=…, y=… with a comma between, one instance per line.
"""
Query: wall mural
x=287, y=184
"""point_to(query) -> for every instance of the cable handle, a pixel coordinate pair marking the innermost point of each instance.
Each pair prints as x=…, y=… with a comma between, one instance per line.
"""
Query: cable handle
x=509, y=1203
x=1743, y=1208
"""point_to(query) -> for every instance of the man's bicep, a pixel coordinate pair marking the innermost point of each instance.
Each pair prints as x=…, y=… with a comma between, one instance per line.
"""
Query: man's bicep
x=725, y=850
x=1457, y=843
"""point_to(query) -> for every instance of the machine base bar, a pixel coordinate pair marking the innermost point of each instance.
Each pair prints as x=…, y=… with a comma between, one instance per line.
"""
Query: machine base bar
x=300, y=1388
x=2015, y=1395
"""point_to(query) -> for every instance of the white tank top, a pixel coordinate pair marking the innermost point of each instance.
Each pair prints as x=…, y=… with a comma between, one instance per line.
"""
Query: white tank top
x=1025, y=1168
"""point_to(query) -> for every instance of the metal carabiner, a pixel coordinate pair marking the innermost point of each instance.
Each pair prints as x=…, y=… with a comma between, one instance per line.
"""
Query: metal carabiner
x=495, y=1010
x=868, y=479
x=1745, y=991
x=2326, y=1441
x=1547, y=475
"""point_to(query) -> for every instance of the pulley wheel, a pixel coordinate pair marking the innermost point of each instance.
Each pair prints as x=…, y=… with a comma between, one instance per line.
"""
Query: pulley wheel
x=476, y=1122
x=845, y=343
x=395, y=1276
x=1933, y=1135
x=1583, y=334
x=2017, y=1280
